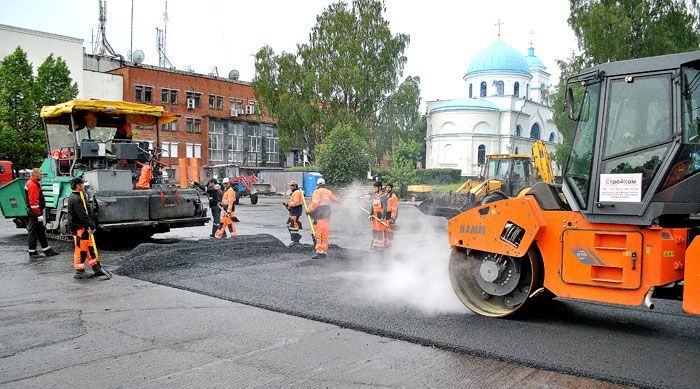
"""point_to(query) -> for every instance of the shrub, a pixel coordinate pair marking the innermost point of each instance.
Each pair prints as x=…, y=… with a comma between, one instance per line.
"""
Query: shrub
x=438, y=176
x=344, y=155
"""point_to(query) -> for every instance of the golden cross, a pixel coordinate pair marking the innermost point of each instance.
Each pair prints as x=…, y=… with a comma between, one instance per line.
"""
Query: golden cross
x=532, y=34
x=499, y=24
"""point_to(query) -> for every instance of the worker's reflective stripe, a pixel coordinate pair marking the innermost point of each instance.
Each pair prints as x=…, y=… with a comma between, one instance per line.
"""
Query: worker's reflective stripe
x=34, y=206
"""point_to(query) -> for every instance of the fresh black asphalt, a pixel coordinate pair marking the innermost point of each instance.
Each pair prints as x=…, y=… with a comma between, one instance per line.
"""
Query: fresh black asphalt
x=659, y=348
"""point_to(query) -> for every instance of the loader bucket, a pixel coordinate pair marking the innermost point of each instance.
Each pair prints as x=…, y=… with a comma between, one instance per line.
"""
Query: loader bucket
x=447, y=204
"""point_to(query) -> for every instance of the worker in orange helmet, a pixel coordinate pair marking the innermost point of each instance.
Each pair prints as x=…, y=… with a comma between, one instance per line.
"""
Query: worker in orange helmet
x=392, y=212
x=379, y=208
x=320, y=210
x=228, y=206
x=295, y=208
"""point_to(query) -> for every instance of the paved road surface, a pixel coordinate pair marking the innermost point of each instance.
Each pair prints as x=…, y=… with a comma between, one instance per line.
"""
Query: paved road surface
x=408, y=297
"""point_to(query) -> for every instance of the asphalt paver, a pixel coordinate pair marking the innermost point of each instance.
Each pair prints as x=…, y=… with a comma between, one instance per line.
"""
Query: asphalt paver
x=634, y=346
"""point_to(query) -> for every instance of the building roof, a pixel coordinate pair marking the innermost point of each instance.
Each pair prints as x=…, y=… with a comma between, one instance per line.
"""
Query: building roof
x=498, y=58
x=464, y=104
x=533, y=61
x=40, y=33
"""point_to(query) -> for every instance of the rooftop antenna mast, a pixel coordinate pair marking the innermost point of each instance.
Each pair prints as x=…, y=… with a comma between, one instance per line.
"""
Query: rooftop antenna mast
x=102, y=46
x=163, y=60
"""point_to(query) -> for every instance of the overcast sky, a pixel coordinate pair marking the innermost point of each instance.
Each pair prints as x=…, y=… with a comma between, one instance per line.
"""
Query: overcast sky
x=203, y=34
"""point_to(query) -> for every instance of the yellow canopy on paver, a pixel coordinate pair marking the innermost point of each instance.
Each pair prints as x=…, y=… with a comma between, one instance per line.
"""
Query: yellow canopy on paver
x=137, y=113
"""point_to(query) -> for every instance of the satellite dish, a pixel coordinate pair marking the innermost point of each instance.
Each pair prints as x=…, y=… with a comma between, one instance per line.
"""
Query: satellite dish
x=233, y=75
x=137, y=57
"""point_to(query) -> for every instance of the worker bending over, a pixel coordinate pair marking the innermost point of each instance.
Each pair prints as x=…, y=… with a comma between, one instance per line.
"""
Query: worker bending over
x=392, y=212
x=379, y=207
x=213, y=191
x=320, y=210
x=144, y=181
x=35, y=216
x=295, y=208
x=228, y=207
x=82, y=225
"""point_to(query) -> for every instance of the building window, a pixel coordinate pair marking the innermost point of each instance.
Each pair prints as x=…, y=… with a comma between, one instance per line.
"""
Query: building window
x=517, y=151
x=219, y=103
x=482, y=93
x=254, y=145
x=163, y=127
x=516, y=89
x=189, y=122
x=500, y=88
x=535, y=132
x=198, y=126
x=216, y=140
x=148, y=94
x=236, y=142
x=271, y=144
x=173, y=126
x=173, y=96
x=165, y=95
x=518, y=130
x=139, y=93
x=194, y=150
x=470, y=91
x=552, y=137
x=196, y=96
x=169, y=149
x=481, y=155
x=527, y=91
x=212, y=101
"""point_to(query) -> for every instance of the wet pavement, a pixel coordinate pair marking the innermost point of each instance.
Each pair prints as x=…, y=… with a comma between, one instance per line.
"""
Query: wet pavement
x=59, y=332
x=354, y=319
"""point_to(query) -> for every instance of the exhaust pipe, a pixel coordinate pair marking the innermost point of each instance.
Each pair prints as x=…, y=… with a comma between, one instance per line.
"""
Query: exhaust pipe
x=647, y=298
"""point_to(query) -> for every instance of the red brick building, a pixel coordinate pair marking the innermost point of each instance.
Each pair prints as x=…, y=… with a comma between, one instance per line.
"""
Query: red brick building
x=217, y=124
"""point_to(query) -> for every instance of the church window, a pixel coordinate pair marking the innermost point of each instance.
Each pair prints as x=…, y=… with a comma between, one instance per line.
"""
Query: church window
x=518, y=130
x=527, y=91
x=517, y=150
x=481, y=155
x=483, y=89
x=500, y=88
x=516, y=89
x=552, y=137
x=535, y=132
x=470, y=91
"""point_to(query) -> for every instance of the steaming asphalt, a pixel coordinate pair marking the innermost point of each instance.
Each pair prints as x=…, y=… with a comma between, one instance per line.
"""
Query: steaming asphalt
x=407, y=296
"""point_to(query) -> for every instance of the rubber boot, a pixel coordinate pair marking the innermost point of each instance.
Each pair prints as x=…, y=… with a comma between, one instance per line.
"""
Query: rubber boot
x=81, y=275
x=33, y=255
x=318, y=255
x=49, y=252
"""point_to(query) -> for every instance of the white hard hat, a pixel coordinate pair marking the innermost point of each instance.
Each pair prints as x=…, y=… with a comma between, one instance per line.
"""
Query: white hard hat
x=321, y=181
x=225, y=181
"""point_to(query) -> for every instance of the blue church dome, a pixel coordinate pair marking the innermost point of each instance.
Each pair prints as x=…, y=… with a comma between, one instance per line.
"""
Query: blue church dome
x=533, y=61
x=498, y=58
x=465, y=104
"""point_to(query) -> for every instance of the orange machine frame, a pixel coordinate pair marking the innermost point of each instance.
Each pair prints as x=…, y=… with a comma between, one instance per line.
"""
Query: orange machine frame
x=598, y=262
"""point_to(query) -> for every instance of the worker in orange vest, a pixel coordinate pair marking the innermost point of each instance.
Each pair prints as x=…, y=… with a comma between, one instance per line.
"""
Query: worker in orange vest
x=320, y=210
x=392, y=212
x=228, y=206
x=144, y=181
x=295, y=208
x=379, y=207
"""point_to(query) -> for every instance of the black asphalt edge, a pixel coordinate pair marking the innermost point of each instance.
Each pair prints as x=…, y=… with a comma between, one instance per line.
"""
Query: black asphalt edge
x=413, y=339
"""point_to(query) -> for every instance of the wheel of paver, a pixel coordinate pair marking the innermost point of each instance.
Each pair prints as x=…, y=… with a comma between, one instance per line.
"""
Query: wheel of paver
x=494, y=285
x=254, y=199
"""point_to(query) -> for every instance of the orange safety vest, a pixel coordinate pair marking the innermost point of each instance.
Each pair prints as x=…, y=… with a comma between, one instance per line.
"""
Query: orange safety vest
x=229, y=200
x=321, y=203
x=392, y=207
x=144, y=181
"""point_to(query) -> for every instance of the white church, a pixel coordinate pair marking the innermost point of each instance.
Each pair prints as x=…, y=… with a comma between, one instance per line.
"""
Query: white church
x=505, y=111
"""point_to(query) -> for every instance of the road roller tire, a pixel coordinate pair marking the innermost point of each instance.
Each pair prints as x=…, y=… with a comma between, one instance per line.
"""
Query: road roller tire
x=494, y=285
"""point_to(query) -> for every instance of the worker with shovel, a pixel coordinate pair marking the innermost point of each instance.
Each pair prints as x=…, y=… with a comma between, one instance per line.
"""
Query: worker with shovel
x=295, y=208
x=392, y=212
x=228, y=207
x=83, y=227
x=320, y=210
x=379, y=207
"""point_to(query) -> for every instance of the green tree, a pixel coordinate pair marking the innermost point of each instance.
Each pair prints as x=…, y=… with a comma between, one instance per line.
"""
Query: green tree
x=344, y=156
x=342, y=75
x=53, y=82
x=398, y=117
x=22, y=140
x=403, y=165
x=614, y=30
